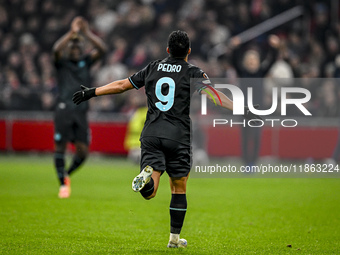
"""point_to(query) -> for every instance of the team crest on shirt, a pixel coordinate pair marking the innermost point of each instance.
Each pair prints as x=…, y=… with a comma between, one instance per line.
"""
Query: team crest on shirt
x=81, y=64
x=57, y=137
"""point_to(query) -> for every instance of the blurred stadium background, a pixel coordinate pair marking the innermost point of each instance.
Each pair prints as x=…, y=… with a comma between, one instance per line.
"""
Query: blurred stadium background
x=226, y=215
x=136, y=32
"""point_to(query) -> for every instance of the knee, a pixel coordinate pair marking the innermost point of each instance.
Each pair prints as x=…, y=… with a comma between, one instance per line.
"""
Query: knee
x=82, y=156
x=82, y=152
x=60, y=148
x=178, y=185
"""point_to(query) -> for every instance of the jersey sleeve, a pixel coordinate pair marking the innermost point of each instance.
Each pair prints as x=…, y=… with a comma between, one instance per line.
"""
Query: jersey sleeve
x=201, y=80
x=138, y=79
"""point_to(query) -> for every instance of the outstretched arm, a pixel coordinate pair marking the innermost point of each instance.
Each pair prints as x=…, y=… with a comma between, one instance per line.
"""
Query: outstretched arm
x=226, y=102
x=115, y=87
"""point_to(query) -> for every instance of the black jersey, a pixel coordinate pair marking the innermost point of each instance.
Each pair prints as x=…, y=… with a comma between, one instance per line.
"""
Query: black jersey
x=167, y=86
x=70, y=75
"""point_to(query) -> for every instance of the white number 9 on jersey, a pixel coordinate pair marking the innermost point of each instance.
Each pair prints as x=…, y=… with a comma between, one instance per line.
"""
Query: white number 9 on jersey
x=166, y=101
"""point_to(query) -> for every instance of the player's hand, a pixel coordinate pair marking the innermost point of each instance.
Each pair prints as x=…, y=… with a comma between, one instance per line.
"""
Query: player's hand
x=235, y=41
x=83, y=95
x=274, y=41
x=76, y=24
x=84, y=28
x=251, y=116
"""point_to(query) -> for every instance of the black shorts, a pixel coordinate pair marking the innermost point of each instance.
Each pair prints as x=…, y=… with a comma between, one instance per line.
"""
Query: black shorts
x=71, y=126
x=166, y=155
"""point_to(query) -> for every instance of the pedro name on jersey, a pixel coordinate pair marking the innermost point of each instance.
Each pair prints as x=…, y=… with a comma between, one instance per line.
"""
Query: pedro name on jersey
x=169, y=68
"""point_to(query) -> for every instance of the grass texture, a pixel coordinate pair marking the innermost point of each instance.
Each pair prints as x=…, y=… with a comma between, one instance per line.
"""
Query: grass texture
x=104, y=216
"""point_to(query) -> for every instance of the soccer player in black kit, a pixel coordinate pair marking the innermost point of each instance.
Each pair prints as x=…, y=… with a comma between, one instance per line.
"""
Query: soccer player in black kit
x=70, y=121
x=165, y=139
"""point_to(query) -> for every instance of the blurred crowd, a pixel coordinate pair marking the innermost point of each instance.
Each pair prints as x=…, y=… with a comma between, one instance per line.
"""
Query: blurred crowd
x=136, y=32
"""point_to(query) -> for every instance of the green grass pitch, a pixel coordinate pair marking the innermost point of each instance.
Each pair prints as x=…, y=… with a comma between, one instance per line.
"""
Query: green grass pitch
x=104, y=216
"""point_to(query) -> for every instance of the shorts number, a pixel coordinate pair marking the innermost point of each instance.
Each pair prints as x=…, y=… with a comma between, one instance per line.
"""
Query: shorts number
x=166, y=101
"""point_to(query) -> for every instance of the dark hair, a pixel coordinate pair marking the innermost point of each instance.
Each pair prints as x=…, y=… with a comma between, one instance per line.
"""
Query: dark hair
x=178, y=44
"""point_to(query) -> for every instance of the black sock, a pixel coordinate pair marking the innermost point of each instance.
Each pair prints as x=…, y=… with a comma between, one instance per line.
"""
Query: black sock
x=178, y=208
x=77, y=161
x=59, y=162
x=148, y=189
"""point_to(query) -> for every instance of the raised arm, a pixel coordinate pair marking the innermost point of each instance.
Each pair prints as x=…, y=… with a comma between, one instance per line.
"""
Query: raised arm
x=99, y=45
x=226, y=102
x=236, y=54
x=273, y=52
x=61, y=44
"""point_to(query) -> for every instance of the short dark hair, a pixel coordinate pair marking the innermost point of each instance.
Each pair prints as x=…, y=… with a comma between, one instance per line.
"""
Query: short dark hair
x=178, y=44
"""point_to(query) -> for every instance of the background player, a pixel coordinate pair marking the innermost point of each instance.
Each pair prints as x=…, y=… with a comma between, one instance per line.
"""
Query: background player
x=165, y=139
x=71, y=125
x=252, y=69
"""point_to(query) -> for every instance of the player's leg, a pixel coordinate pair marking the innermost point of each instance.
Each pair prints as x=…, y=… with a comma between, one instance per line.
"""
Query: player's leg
x=245, y=145
x=152, y=167
x=179, y=158
x=150, y=189
x=336, y=153
x=178, y=208
x=256, y=135
x=81, y=133
x=62, y=126
x=81, y=153
x=59, y=161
